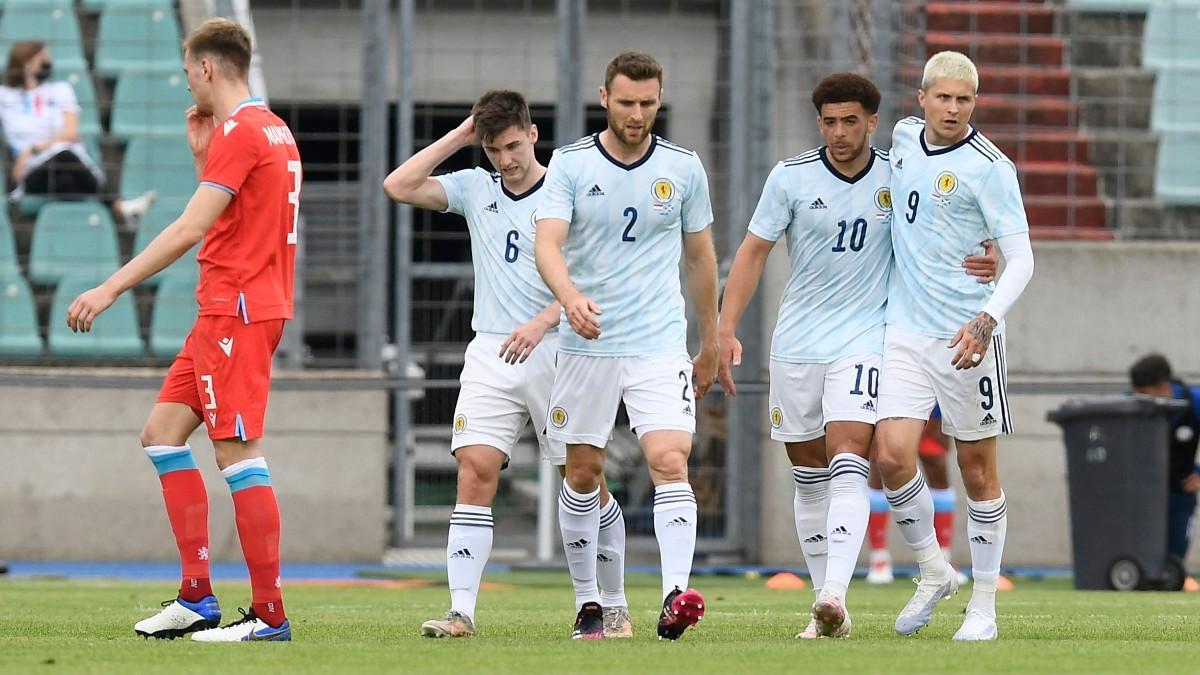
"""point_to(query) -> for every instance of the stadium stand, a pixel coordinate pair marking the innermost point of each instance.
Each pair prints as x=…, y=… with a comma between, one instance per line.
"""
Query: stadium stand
x=56, y=25
x=19, y=334
x=163, y=164
x=117, y=336
x=1171, y=30
x=9, y=264
x=149, y=104
x=137, y=38
x=160, y=215
x=72, y=239
x=174, y=312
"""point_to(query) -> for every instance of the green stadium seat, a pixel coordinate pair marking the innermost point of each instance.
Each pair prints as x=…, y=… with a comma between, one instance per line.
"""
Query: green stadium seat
x=85, y=93
x=55, y=25
x=9, y=266
x=1176, y=97
x=1107, y=6
x=42, y=4
x=138, y=38
x=101, y=5
x=161, y=214
x=1177, y=176
x=114, y=334
x=1170, y=35
x=174, y=313
x=150, y=104
x=18, y=319
x=163, y=164
x=72, y=238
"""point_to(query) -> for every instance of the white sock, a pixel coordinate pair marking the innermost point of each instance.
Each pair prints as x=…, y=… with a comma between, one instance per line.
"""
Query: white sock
x=675, y=529
x=579, y=522
x=467, y=549
x=610, y=556
x=912, y=507
x=849, y=508
x=987, y=524
x=811, y=505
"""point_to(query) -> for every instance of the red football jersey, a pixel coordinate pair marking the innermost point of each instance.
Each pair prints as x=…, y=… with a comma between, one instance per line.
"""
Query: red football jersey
x=248, y=259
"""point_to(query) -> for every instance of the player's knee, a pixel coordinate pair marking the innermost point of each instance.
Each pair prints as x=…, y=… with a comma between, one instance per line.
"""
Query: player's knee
x=478, y=477
x=895, y=465
x=669, y=466
x=977, y=474
x=154, y=434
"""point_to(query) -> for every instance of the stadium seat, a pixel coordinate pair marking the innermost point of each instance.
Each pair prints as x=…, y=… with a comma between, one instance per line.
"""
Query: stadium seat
x=72, y=238
x=9, y=266
x=150, y=104
x=158, y=163
x=138, y=38
x=1170, y=35
x=85, y=93
x=174, y=313
x=1102, y=6
x=30, y=205
x=114, y=333
x=1176, y=97
x=18, y=319
x=56, y=25
x=160, y=215
x=101, y=5
x=1177, y=176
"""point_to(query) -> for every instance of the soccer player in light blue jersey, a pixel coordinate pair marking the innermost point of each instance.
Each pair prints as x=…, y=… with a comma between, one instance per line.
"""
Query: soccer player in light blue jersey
x=625, y=205
x=833, y=204
x=944, y=342
x=509, y=366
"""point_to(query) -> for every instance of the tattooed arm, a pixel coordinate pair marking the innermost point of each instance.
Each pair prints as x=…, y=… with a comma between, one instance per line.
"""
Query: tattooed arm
x=975, y=337
x=972, y=339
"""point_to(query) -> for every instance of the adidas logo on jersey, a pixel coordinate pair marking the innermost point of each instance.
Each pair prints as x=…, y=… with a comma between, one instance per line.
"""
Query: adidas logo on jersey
x=816, y=538
x=979, y=539
x=678, y=521
x=868, y=406
x=908, y=521
x=595, y=191
x=462, y=553
x=987, y=420
x=492, y=208
x=578, y=544
x=900, y=163
x=817, y=204
x=840, y=531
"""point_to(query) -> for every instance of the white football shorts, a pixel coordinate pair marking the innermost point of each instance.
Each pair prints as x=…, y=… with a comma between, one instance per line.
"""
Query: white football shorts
x=806, y=396
x=917, y=374
x=496, y=399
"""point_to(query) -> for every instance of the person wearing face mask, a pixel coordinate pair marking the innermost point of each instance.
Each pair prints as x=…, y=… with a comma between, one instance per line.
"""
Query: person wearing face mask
x=40, y=118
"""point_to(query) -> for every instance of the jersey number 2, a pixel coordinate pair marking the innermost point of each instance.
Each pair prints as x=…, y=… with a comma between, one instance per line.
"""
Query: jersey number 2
x=631, y=214
x=294, y=198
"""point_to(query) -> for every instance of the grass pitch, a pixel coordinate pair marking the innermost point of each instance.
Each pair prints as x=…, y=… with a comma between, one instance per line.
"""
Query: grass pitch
x=524, y=620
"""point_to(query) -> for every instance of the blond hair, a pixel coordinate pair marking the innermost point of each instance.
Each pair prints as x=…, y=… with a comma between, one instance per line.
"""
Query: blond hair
x=952, y=66
x=222, y=39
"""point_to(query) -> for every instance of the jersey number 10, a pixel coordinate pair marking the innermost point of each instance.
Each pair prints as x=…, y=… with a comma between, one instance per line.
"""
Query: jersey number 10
x=858, y=235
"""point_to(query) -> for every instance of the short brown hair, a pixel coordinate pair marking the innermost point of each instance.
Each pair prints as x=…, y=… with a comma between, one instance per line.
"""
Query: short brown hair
x=498, y=110
x=847, y=88
x=18, y=56
x=634, y=65
x=223, y=39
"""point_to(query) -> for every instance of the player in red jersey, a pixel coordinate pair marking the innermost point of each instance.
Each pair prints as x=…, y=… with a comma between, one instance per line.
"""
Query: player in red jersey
x=245, y=210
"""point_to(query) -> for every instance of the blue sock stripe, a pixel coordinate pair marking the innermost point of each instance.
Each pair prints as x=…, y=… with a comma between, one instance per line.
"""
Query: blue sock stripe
x=248, y=478
x=943, y=502
x=176, y=461
x=879, y=502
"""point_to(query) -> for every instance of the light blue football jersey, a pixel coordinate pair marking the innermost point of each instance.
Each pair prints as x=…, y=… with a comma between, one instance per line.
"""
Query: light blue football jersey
x=840, y=244
x=947, y=202
x=626, y=239
x=508, y=289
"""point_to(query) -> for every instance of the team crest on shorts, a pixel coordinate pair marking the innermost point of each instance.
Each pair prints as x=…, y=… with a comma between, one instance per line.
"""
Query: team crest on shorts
x=460, y=423
x=558, y=417
x=883, y=201
x=776, y=417
x=944, y=185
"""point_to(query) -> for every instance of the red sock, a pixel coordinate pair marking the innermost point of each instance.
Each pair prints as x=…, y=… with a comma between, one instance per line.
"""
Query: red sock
x=943, y=524
x=187, y=508
x=877, y=525
x=257, y=515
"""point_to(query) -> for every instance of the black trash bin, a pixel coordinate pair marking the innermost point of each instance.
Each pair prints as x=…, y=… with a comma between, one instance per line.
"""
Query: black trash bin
x=1117, y=481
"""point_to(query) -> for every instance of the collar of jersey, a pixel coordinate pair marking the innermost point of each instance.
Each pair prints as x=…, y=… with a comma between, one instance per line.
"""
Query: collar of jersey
x=254, y=100
x=515, y=197
x=930, y=153
x=824, y=152
x=627, y=167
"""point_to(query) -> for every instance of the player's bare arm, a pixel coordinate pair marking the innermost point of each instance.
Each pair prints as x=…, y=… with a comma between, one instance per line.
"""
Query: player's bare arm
x=983, y=267
x=200, y=128
x=744, y=275
x=411, y=183
x=524, y=338
x=972, y=341
x=582, y=313
x=172, y=243
x=700, y=261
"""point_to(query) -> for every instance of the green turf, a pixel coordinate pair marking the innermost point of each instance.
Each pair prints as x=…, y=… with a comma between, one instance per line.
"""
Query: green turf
x=86, y=626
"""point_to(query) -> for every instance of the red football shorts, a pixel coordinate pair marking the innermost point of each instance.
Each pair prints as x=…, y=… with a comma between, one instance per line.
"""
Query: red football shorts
x=931, y=448
x=223, y=373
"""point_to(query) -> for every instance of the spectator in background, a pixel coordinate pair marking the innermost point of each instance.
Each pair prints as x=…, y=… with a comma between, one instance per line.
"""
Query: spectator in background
x=41, y=126
x=1152, y=375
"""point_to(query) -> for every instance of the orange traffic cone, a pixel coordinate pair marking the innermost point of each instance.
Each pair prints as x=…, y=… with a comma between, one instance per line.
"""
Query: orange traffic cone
x=786, y=581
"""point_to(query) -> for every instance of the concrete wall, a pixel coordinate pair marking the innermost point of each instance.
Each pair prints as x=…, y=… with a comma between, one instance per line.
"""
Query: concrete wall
x=74, y=483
